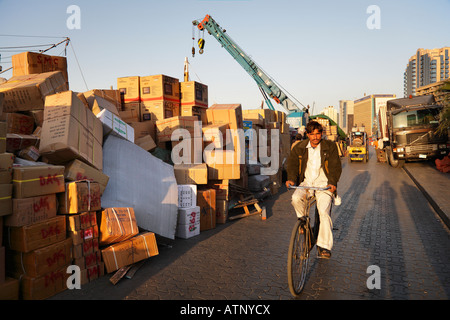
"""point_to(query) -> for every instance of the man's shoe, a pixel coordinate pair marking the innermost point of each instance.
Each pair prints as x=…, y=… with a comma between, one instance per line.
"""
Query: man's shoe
x=323, y=253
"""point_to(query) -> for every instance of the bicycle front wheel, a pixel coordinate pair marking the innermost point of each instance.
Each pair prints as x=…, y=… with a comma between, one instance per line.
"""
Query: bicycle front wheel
x=298, y=258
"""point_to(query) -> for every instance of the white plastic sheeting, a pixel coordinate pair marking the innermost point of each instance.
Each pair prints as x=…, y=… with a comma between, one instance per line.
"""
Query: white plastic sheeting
x=138, y=179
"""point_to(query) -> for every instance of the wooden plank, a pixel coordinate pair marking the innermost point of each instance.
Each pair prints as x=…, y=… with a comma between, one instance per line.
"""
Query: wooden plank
x=119, y=274
x=134, y=268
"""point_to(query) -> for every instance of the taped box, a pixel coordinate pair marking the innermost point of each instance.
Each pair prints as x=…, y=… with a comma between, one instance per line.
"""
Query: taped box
x=70, y=131
x=191, y=173
x=40, y=261
x=80, y=196
x=78, y=170
x=230, y=114
x=206, y=200
x=19, y=123
x=32, y=62
x=112, y=124
x=127, y=252
x=34, y=181
x=6, y=191
x=6, y=165
x=165, y=127
x=187, y=195
x=28, y=92
x=31, y=210
x=193, y=94
x=38, y=235
x=116, y=224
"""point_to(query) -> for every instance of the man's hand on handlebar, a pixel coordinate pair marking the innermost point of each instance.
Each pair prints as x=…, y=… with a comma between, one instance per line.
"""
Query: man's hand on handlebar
x=289, y=183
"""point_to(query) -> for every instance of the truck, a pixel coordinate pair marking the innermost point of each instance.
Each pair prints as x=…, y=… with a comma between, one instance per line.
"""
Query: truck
x=357, y=147
x=407, y=130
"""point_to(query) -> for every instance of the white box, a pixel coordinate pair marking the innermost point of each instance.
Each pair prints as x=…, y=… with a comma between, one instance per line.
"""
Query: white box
x=189, y=215
x=187, y=195
x=112, y=124
x=186, y=231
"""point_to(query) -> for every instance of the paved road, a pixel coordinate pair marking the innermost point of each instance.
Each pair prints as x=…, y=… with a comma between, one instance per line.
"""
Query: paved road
x=384, y=220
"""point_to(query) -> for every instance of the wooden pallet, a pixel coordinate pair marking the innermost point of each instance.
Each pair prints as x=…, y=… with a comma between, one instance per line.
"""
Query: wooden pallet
x=245, y=203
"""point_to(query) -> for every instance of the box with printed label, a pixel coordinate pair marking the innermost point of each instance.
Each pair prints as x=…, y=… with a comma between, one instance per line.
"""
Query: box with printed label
x=116, y=224
x=78, y=170
x=34, y=181
x=194, y=94
x=165, y=127
x=19, y=123
x=129, y=87
x=38, y=235
x=124, y=253
x=188, y=230
x=158, y=87
x=189, y=215
x=80, y=196
x=187, y=195
x=159, y=110
x=45, y=286
x=112, y=124
x=31, y=210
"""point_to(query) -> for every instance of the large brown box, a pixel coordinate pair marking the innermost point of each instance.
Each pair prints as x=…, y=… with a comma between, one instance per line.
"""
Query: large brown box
x=31, y=210
x=34, y=181
x=206, y=200
x=28, y=92
x=116, y=224
x=129, y=251
x=159, y=110
x=32, y=62
x=158, y=87
x=45, y=286
x=6, y=191
x=223, y=165
x=3, y=129
x=6, y=165
x=222, y=188
x=80, y=196
x=19, y=123
x=78, y=170
x=9, y=290
x=225, y=113
x=40, y=261
x=16, y=142
x=38, y=235
x=221, y=211
x=191, y=173
x=165, y=127
x=129, y=87
x=70, y=131
x=193, y=93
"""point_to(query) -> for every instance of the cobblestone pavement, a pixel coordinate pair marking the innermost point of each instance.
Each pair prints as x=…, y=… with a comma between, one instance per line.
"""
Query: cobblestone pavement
x=384, y=220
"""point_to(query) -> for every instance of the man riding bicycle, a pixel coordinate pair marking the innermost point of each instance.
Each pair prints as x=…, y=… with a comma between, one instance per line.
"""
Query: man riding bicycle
x=315, y=163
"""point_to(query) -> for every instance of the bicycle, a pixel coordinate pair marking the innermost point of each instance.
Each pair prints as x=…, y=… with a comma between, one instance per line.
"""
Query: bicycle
x=303, y=239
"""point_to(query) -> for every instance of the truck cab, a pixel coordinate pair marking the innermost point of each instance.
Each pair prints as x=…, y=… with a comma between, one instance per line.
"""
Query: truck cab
x=357, y=148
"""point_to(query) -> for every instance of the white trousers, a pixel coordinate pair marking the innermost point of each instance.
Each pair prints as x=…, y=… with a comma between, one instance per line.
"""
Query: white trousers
x=323, y=201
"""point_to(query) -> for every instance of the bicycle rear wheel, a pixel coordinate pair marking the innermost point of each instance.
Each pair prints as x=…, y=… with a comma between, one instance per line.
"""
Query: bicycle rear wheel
x=298, y=258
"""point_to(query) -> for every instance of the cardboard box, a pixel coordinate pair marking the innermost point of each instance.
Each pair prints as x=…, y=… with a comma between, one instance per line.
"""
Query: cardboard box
x=222, y=188
x=80, y=196
x=225, y=113
x=34, y=181
x=38, y=235
x=189, y=229
x=81, y=221
x=6, y=165
x=146, y=142
x=9, y=290
x=165, y=127
x=32, y=210
x=27, y=92
x=159, y=110
x=70, y=131
x=194, y=94
x=16, y=142
x=19, y=123
x=101, y=98
x=189, y=215
x=129, y=87
x=159, y=87
x=187, y=151
x=78, y=170
x=40, y=261
x=135, y=111
x=187, y=195
x=199, y=112
x=3, y=129
x=44, y=286
x=216, y=133
x=6, y=191
x=223, y=165
x=112, y=124
x=221, y=211
x=116, y=224
x=144, y=128
x=206, y=200
x=29, y=153
x=31, y=62
x=129, y=251
x=191, y=173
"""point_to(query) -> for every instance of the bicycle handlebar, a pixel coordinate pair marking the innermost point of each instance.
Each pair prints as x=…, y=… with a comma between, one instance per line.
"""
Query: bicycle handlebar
x=310, y=188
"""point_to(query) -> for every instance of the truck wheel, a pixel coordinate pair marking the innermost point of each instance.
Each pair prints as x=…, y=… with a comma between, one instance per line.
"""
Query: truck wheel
x=395, y=163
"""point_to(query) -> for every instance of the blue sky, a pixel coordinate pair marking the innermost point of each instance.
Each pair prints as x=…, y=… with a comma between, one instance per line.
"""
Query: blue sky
x=319, y=51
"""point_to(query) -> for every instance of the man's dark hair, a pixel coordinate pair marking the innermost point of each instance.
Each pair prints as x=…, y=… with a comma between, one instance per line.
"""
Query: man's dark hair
x=313, y=125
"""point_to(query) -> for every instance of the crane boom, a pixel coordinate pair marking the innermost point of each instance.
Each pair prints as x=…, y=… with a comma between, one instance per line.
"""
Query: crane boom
x=266, y=85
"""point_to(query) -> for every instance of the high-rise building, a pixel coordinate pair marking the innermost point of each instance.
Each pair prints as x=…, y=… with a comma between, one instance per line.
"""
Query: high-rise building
x=425, y=67
x=346, y=115
x=331, y=113
x=365, y=111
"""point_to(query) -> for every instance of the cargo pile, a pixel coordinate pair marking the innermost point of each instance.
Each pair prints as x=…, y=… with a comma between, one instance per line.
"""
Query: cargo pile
x=88, y=179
